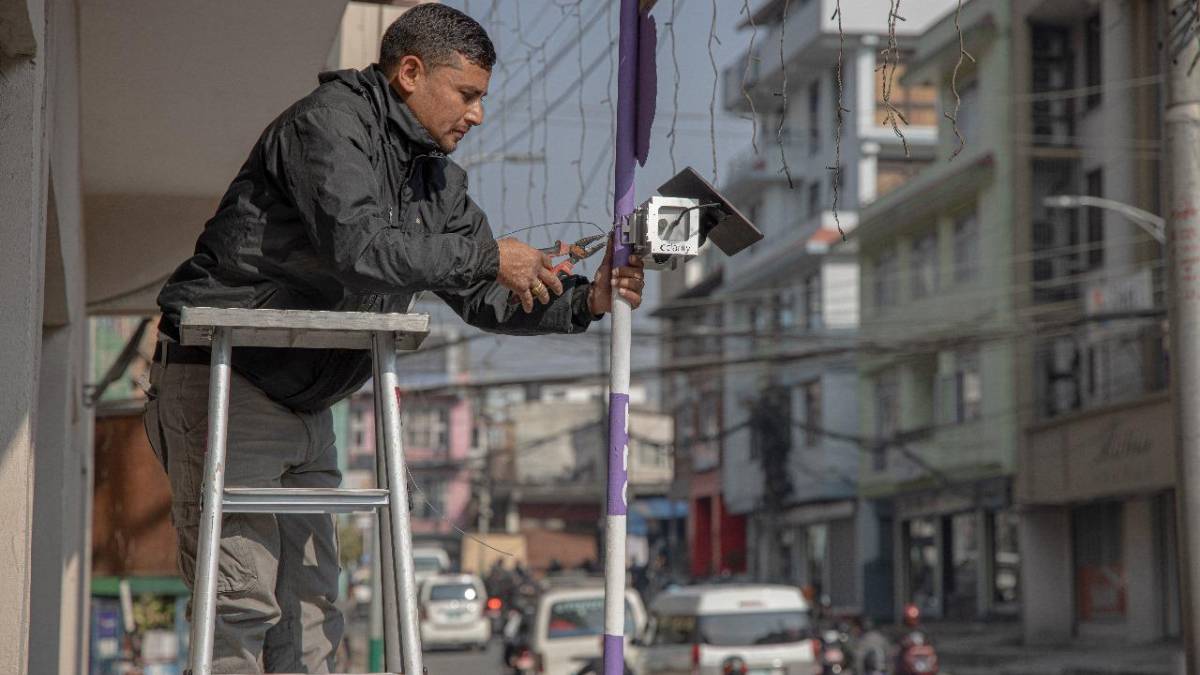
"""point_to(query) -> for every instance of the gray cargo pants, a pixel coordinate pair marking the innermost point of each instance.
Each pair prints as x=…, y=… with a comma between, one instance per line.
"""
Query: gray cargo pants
x=278, y=574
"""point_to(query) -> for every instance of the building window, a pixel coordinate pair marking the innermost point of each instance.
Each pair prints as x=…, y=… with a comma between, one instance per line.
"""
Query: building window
x=924, y=265
x=968, y=387
x=969, y=112
x=814, y=311
x=1006, y=566
x=429, y=500
x=890, y=174
x=358, y=429
x=814, y=198
x=814, y=107
x=966, y=247
x=812, y=413
x=1095, y=220
x=1093, y=60
x=787, y=310
x=887, y=416
x=427, y=427
x=885, y=273
x=917, y=103
x=1053, y=62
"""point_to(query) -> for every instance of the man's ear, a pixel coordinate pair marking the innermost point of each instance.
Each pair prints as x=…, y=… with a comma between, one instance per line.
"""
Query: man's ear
x=408, y=73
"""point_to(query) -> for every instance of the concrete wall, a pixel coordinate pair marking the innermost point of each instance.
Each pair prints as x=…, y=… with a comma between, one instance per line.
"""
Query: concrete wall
x=44, y=426
x=1047, y=579
x=1144, y=611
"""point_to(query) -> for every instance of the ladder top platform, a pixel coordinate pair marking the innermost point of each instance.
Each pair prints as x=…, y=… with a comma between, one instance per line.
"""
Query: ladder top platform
x=301, y=328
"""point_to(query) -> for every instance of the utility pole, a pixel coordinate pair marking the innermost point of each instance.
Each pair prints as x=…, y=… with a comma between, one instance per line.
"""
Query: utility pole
x=1182, y=145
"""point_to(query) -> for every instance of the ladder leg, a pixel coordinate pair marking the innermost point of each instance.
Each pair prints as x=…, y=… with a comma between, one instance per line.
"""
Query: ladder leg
x=204, y=612
x=384, y=345
x=387, y=561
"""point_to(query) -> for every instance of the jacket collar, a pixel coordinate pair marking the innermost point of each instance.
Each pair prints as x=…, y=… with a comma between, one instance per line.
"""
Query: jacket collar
x=373, y=83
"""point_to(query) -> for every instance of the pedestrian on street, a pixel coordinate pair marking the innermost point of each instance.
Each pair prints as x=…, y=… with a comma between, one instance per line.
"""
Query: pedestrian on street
x=348, y=201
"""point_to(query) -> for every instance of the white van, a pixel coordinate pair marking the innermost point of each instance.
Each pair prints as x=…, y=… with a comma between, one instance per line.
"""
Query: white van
x=452, y=612
x=568, y=626
x=428, y=561
x=753, y=629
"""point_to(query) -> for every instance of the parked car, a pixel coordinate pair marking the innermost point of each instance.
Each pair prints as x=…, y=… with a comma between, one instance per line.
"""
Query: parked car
x=452, y=612
x=563, y=634
x=754, y=629
x=428, y=561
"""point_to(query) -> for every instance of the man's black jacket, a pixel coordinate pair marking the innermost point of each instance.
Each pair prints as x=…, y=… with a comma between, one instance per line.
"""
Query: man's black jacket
x=345, y=204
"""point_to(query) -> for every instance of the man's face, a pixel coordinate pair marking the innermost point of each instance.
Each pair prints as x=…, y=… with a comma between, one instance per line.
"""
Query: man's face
x=446, y=99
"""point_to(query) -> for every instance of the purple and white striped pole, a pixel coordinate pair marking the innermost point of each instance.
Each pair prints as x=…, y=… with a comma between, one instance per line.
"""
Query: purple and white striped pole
x=618, y=403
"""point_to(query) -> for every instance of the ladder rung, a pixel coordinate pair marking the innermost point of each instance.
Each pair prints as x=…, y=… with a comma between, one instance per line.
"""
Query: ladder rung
x=302, y=500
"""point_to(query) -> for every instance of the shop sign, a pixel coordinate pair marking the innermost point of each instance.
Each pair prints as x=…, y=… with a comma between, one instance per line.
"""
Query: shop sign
x=1127, y=451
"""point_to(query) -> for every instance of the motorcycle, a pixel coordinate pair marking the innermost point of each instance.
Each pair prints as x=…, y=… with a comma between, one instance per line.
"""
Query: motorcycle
x=916, y=655
x=835, y=652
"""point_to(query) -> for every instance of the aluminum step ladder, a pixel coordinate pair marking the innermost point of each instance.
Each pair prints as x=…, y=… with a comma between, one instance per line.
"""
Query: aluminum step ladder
x=383, y=335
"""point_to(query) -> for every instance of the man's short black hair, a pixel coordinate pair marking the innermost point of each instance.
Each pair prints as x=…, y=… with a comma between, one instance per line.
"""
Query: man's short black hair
x=433, y=32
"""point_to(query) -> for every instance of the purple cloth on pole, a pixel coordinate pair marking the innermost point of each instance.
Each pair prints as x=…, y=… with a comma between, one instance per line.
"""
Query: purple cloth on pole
x=647, y=84
x=618, y=453
x=614, y=655
x=627, y=72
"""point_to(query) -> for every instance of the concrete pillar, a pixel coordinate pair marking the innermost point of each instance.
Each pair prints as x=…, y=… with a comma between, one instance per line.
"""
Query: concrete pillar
x=1047, y=580
x=985, y=569
x=1143, y=585
x=22, y=259
x=900, y=589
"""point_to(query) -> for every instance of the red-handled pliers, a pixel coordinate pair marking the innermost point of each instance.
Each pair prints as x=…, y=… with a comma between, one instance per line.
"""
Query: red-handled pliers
x=581, y=249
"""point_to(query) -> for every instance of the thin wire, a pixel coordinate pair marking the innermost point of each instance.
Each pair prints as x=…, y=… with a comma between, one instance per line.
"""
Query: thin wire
x=841, y=121
x=963, y=54
x=746, y=75
x=556, y=222
x=712, y=101
x=891, y=62
x=783, y=112
x=675, y=95
x=445, y=519
x=578, y=162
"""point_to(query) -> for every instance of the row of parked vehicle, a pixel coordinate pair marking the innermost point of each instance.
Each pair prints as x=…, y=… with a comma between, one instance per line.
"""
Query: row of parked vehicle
x=702, y=630
x=555, y=627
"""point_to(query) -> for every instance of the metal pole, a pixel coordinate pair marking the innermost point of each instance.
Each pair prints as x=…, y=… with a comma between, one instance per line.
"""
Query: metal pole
x=204, y=594
x=618, y=397
x=410, y=634
x=1182, y=145
x=375, y=639
x=387, y=562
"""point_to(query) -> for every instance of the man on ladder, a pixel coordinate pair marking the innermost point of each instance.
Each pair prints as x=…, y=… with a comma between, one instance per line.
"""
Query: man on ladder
x=347, y=202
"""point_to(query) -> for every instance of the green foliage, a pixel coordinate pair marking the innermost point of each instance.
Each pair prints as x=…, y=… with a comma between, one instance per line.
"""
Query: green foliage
x=154, y=612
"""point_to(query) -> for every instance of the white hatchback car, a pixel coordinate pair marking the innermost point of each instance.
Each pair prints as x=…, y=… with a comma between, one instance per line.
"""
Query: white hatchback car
x=568, y=626
x=452, y=612
x=710, y=630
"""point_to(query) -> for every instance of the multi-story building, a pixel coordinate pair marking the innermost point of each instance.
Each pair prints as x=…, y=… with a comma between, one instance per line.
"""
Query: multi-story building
x=938, y=404
x=1097, y=463
x=547, y=480
x=770, y=441
x=1017, y=398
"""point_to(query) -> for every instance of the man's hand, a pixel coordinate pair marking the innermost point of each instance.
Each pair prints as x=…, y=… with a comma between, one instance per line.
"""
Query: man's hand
x=628, y=281
x=526, y=272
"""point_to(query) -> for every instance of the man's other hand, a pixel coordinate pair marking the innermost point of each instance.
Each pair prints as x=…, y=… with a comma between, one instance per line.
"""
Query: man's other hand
x=629, y=281
x=526, y=272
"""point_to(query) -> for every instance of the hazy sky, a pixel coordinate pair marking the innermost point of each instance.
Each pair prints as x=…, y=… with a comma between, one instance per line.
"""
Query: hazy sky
x=517, y=123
